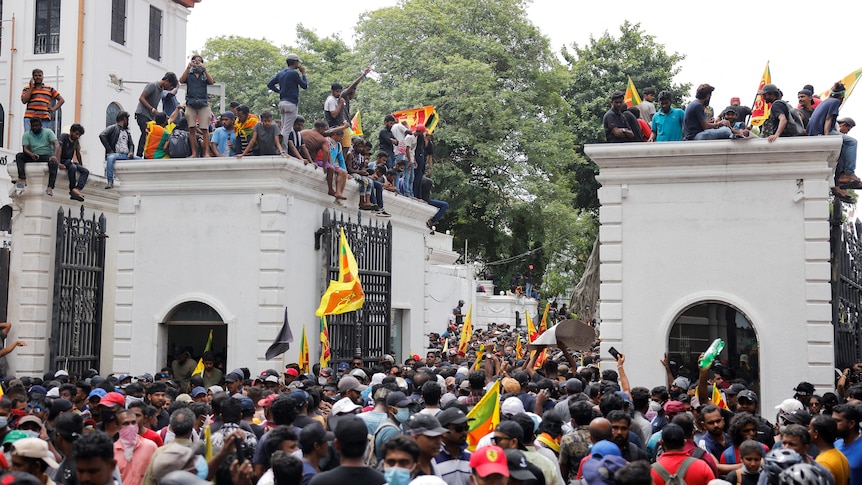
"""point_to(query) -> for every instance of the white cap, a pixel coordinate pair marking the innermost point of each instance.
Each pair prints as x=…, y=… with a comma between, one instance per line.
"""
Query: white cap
x=789, y=405
x=512, y=405
x=344, y=405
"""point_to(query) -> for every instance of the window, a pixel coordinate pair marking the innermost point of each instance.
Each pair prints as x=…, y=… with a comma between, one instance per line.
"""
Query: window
x=118, y=21
x=111, y=114
x=155, y=48
x=47, y=39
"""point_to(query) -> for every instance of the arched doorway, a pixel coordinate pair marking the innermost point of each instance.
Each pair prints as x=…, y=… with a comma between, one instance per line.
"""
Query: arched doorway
x=111, y=113
x=188, y=327
x=696, y=327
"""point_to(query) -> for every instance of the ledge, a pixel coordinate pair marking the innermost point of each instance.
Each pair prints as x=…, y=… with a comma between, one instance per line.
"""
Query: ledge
x=715, y=160
x=255, y=175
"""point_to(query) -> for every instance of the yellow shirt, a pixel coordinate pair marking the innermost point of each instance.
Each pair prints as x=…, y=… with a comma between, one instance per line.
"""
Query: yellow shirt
x=837, y=463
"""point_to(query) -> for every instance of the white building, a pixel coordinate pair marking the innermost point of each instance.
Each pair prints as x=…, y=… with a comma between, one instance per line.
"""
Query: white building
x=98, y=54
x=722, y=239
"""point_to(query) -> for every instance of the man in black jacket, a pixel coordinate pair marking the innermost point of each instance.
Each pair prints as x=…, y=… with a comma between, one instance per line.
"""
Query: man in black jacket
x=117, y=140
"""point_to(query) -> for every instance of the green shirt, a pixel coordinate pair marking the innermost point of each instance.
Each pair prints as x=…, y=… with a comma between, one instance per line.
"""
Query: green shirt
x=41, y=143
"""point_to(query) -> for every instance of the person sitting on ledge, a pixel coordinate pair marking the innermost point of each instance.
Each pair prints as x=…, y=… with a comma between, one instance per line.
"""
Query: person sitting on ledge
x=39, y=145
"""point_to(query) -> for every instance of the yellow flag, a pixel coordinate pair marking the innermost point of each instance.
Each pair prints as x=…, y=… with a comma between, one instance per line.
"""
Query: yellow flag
x=199, y=369
x=760, y=110
x=466, y=333
x=356, y=124
x=519, y=348
x=346, y=294
x=484, y=417
x=849, y=82
x=479, y=355
x=632, y=98
x=303, y=352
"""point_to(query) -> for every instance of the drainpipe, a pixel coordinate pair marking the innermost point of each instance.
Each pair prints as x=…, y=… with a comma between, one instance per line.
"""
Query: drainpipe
x=12, y=51
x=79, y=63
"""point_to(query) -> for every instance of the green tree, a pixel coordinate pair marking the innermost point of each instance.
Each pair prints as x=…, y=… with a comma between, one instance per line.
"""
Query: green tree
x=601, y=67
x=244, y=65
x=502, y=145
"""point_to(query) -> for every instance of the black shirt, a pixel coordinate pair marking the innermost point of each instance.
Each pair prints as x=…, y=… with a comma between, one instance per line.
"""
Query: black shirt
x=385, y=141
x=349, y=474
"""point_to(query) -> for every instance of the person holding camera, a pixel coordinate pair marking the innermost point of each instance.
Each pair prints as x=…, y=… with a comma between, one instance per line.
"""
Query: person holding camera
x=196, y=78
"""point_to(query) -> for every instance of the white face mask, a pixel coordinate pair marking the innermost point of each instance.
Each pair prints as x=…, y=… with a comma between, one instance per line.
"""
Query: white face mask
x=297, y=453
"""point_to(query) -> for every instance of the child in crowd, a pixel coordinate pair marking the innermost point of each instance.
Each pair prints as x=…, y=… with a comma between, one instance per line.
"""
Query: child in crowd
x=751, y=453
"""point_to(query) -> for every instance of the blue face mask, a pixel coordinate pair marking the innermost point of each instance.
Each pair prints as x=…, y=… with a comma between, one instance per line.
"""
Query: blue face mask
x=397, y=475
x=402, y=416
x=201, y=467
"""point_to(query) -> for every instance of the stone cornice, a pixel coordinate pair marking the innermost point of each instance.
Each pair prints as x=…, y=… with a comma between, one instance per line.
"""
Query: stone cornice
x=715, y=161
x=255, y=175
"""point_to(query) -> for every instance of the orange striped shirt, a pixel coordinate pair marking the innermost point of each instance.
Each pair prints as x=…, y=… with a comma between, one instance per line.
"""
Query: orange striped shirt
x=41, y=99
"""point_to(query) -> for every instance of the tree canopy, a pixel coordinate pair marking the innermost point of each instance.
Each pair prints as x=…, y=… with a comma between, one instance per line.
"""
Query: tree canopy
x=514, y=117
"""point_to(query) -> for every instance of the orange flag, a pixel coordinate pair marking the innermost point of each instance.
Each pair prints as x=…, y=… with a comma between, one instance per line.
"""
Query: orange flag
x=760, y=110
x=466, y=332
x=344, y=295
x=426, y=115
x=632, y=98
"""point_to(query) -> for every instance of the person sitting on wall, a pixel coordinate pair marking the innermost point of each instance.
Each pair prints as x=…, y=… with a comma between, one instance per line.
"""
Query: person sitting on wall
x=70, y=157
x=39, y=145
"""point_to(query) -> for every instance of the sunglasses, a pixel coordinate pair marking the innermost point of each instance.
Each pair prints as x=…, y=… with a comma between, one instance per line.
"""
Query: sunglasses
x=458, y=428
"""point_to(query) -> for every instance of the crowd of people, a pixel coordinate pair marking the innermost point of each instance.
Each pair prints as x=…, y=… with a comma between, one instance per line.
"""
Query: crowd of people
x=811, y=117
x=401, y=164
x=566, y=421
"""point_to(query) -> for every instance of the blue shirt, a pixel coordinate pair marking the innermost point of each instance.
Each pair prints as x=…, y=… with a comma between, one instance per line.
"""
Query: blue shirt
x=289, y=81
x=668, y=126
x=454, y=470
x=853, y=451
x=221, y=137
x=709, y=444
x=826, y=108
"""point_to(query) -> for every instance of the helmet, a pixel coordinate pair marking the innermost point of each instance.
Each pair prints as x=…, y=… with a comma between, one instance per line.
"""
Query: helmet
x=780, y=459
x=803, y=474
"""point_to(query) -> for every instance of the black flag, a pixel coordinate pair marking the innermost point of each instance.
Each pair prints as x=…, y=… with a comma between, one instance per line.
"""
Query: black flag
x=282, y=341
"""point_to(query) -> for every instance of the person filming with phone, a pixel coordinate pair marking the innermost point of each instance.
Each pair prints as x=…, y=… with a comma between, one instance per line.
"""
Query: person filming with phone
x=42, y=101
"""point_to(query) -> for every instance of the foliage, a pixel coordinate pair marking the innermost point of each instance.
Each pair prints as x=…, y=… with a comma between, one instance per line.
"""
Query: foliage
x=245, y=66
x=601, y=67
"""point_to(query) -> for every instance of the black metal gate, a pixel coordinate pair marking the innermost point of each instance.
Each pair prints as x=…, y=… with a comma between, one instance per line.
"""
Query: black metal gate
x=846, y=290
x=366, y=331
x=79, y=276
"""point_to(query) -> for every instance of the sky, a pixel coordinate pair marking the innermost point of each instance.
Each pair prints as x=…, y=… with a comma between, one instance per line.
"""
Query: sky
x=726, y=45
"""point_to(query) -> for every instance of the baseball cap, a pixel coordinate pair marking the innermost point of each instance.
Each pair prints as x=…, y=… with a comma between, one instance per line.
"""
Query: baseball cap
x=681, y=382
x=387, y=358
x=349, y=383
x=800, y=416
x=291, y=372
x=273, y=379
x=97, y=392
x=488, y=460
x=34, y=448
x=343, y=366
x=789, y=405
x=344, y=405
x=512, y=405
x=215, y=389
x=512, y=430
x=848, y=120
x=292, y=57
x=747, y=394
x=398, y=399
x=314, y=433
x=517, y=464
x=425, y=425
x=62, y=372
x=604, y=448
x=674, y=407
x=19, y=478
x=359, y=374
x=734, y=389
x=112, y=399
x=197, y=391
x=69, y=426
x=300, y=396
x=326, y=372
x=231, y=377
x=769, y=88
x=452, y=416
x=804, y=388
x=267, y=401
x=246, y=404
x=13, y=436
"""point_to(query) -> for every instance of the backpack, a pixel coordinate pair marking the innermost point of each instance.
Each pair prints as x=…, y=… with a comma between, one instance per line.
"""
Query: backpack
x=370, y=450
x=178, y=144
x=794, y=126
x=677, y=478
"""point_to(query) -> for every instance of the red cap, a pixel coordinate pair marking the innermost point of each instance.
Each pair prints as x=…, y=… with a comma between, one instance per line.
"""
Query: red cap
x=267, y=401
x=113, y=399
x=488, y=460
x=291, y=372
x=416, y=357
x=734, y=100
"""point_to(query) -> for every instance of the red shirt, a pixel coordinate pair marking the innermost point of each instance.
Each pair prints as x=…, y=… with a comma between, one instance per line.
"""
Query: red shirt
x=698, y=472
x=153, y=436
x=707, y=456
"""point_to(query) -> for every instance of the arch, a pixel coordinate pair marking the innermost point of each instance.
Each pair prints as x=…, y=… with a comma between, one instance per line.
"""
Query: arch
x=111, y=113
x=186, y=322
x=698, y=320
x=226, y=316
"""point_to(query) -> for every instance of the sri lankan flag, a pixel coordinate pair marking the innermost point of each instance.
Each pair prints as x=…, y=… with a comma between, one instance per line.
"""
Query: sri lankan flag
x=344, y=295
x=632, y=98
x=532, y=333
x=849, y=81
x=356, y=124
x=485, y=416
x=479, y=355
x=303, y=352
x=717, y=398
x=208, y=347
x=760, y=110
x=543, y=325
x=519, y=348
x=466, y=332
x=426, y=115
x=324, y=343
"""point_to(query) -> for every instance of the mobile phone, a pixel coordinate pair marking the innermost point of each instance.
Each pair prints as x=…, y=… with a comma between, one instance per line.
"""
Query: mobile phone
x=240, y=450
x=615, y=353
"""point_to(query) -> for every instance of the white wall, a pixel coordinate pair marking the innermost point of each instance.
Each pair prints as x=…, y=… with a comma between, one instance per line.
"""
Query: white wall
x=739, y=222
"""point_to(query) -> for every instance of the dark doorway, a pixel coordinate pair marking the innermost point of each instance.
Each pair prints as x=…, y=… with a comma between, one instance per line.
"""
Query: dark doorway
x=189, y=326
x=699, y=325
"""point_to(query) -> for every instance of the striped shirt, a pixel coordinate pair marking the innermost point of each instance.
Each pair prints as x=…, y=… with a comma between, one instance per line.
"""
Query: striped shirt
x=40, y=102
x=454, y=470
